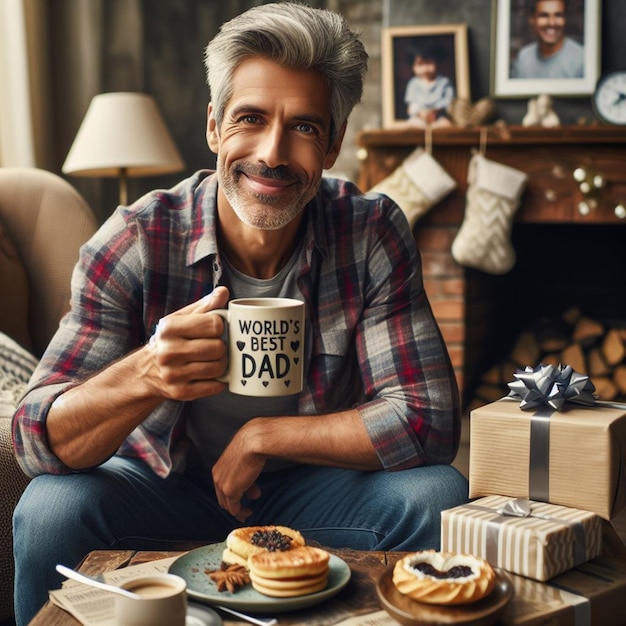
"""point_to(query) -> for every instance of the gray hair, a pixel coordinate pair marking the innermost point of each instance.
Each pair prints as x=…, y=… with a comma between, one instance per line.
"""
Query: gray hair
x=295, y=36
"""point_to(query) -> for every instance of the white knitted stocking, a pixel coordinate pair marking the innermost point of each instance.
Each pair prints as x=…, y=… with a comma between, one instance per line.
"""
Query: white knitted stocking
x=416, y=185
x=493, y=197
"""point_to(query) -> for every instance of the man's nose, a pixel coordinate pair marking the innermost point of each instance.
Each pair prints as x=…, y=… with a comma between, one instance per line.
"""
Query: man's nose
x=273, y=147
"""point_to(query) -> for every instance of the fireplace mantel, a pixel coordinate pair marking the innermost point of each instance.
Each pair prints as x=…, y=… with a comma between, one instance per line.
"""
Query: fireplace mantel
x=552, y=196
x=548, y=155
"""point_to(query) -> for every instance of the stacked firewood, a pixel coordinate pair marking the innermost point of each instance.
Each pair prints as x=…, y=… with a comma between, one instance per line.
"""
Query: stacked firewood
x=588, y=346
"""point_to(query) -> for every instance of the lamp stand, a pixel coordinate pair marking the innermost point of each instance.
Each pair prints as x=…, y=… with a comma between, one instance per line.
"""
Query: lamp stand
x=123, y=186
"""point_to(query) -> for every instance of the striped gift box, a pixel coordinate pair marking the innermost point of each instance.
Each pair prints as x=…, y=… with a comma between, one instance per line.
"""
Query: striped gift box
x=532, y=539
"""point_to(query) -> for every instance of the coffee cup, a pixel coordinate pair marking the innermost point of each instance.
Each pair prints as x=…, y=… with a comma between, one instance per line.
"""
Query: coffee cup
x=265, y=346
x=162, y=601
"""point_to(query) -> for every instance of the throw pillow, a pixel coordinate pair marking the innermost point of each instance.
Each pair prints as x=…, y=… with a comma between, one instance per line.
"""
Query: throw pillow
x=16, y=368
x=13, y=291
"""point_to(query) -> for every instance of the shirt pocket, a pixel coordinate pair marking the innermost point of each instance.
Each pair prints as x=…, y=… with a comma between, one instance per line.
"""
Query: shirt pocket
x=336, y=370
x=334, y=342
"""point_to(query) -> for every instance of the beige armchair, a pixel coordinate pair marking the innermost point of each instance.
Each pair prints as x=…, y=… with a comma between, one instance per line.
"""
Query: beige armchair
x=43, y=223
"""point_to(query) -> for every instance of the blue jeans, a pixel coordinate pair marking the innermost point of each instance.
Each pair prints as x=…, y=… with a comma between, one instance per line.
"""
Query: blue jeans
x=124, y=505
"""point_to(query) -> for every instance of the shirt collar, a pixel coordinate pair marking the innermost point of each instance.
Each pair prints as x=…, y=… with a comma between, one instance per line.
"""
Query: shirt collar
x=203, y=238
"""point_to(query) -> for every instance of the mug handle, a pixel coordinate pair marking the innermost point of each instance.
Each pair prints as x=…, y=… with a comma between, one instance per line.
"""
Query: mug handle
x=224, y=314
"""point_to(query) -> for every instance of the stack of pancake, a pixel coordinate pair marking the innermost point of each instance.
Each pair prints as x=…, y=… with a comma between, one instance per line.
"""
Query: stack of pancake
x=280, y=563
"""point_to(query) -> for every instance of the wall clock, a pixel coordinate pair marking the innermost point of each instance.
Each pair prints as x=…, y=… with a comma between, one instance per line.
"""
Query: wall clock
x=609, y=98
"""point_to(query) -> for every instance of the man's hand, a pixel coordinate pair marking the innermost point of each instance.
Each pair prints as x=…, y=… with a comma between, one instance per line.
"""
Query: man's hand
x=187, y=350
x=336, y=440
x=235, y=473
x=88, y=422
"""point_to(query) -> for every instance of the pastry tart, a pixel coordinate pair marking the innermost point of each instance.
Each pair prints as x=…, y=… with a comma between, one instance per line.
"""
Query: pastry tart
x=443, y=577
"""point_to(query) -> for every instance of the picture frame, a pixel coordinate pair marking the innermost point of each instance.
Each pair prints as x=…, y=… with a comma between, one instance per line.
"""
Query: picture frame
x=399, y=45
x=516, y=71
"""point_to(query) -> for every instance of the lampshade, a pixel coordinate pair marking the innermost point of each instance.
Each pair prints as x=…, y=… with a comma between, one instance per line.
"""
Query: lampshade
x=123, y=135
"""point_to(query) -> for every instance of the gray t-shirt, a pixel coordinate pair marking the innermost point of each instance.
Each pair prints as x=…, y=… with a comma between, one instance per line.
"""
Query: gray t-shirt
x=568, y=62
x=212, y=421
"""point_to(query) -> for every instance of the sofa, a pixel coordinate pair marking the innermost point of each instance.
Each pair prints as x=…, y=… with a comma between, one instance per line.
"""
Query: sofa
x=43, y=223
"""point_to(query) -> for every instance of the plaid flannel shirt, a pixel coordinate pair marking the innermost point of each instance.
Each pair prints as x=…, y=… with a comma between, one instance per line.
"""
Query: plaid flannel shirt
x=375, y=344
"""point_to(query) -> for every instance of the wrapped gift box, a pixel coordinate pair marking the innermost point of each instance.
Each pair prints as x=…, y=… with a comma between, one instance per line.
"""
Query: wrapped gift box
x=575, y=457
x=588, y=595
x=547, y=541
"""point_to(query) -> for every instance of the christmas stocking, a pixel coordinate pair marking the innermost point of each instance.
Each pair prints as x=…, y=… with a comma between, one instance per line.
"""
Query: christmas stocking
x=493, y=196
x=416, y=185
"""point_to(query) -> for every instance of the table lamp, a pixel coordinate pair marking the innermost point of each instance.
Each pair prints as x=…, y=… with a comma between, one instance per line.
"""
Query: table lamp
x=122, y=134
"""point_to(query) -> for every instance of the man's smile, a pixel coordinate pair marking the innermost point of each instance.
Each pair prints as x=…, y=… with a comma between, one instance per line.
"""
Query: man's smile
x=266, y=186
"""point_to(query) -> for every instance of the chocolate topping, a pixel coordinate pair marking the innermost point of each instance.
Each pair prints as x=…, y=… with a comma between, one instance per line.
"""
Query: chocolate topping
x=271, y=540
x=458, y=571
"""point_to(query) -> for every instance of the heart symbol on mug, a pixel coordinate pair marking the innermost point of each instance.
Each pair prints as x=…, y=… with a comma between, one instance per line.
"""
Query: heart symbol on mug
x=265, y=383
x=287, y=383
x=241, y=345
x=295, y=345
x=296, y=360
x=243, y=382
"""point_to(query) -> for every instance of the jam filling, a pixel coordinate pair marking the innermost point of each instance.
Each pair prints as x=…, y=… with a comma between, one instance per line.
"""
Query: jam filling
x=458, y=571
x=271, y=540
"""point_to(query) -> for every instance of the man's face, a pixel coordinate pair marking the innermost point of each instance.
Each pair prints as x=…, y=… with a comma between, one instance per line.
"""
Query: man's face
x=273, y=143
x=548, y=21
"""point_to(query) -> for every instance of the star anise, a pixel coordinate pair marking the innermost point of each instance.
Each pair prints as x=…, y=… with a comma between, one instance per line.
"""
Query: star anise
x=229, y=577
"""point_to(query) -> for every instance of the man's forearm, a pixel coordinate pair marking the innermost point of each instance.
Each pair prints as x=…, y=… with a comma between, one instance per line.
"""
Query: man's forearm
x=87, y=423
x=338, y=439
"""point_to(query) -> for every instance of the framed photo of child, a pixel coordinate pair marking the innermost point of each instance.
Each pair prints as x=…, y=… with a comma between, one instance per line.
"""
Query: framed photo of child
x=424, y=69
x=547, y=47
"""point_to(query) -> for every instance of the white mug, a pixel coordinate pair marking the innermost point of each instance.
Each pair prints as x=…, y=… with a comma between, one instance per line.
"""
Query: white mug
x=265, y=346
x=162, y=602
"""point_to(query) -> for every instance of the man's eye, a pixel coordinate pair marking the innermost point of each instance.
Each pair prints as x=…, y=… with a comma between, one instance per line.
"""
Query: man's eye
x=306, y=128
x=250, y=119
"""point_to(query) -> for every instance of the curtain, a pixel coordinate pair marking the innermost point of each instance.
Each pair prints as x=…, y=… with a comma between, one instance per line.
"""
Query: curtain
x=24, y=76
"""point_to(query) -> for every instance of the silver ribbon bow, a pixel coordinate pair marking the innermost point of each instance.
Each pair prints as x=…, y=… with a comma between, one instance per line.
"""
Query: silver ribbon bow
x=552, y=386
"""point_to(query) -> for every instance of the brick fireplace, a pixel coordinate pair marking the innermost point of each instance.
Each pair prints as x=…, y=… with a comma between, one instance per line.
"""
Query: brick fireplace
x=565, y=257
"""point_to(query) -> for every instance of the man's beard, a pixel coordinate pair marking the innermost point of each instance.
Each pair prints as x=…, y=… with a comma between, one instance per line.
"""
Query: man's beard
x=264, y=211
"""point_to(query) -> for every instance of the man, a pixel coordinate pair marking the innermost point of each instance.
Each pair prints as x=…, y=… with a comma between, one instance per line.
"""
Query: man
x=131, y=439
x=552, y=55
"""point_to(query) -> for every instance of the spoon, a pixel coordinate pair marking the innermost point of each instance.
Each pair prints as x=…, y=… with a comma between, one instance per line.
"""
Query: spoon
x=88, y=580
x=270, y=621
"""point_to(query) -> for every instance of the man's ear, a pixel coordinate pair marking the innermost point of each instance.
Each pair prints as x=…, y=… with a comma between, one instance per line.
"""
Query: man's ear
x=212, y=135
x=333, y=153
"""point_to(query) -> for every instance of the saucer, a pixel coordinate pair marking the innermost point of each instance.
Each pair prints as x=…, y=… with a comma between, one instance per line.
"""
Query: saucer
x=412, y=613
x=199, y=615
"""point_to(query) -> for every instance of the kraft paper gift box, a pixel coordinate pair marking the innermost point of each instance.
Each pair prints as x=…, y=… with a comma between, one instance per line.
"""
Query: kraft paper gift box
x=575, y=457
x=533, y=539
x=589, y=595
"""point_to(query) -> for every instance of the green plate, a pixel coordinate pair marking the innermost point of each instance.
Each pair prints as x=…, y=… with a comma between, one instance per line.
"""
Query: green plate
x=193, y=565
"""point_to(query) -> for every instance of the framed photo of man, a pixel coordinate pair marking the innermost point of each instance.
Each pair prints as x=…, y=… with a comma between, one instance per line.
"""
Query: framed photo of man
x=545, y=47
x=424, y=69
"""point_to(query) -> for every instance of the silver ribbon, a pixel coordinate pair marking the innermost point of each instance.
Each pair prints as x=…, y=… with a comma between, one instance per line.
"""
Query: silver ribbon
x=539, y=463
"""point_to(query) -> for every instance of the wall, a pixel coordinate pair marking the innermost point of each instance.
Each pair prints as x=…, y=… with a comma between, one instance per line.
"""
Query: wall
x=477, y=14
x=157, y=47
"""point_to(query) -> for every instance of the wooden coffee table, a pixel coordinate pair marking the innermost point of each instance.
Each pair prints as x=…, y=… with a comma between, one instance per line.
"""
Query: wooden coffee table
x=603, y=579
x=358, y=597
